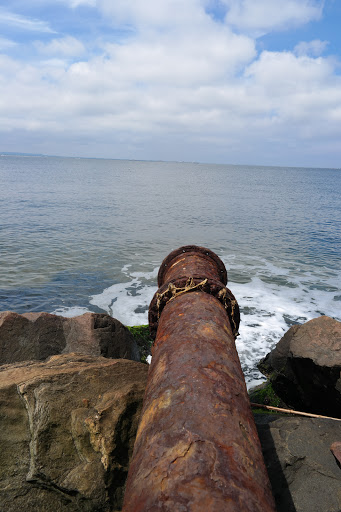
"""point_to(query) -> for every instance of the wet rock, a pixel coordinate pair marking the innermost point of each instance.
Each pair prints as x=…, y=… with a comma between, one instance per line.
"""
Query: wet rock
x=336, y=451
x=36, y=336
x=304, y=474
x=304, y=368
x=67, y=429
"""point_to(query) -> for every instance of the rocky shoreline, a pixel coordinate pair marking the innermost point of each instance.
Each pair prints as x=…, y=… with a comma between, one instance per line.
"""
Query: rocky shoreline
x=71, y=391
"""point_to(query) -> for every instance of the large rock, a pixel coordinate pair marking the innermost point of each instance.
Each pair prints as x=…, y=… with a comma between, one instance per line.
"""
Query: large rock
x=304, y=474
x=36, y=336
x=305, y=367
x=67, y=429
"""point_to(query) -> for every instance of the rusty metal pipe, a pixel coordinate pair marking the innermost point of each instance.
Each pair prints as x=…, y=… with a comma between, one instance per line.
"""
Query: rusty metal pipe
x=197, y=447
x=192, y=261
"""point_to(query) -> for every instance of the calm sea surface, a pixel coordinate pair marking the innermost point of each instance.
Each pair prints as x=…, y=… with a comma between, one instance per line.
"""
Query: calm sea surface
x=82, y=235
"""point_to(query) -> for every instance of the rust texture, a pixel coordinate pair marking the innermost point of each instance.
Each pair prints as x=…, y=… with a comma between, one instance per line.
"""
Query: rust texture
x=192, y=261
x=169, y=291
x=197, y=447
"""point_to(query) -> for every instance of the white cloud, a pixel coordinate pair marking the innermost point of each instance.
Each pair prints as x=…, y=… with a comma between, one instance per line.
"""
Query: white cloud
x=24, y=23
x=279, y=91
x=154, y=12
x=72, y=4
x=280, y=72
x=313, y=48
x=182, y=86
x=77, y=3
x=186, y=60
x=67, y=46
x=268, y=15
x=6, y=43
x=299, y=95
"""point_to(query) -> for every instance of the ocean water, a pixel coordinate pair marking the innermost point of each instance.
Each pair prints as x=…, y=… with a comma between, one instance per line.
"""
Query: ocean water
x=81, y=235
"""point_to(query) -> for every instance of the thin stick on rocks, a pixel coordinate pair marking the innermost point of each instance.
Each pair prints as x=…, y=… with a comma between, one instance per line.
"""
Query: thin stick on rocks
x=291, y=411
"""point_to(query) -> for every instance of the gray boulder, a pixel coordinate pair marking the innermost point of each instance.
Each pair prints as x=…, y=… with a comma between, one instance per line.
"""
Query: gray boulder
x=305, y=476
x=305, y=367
x=36, y=336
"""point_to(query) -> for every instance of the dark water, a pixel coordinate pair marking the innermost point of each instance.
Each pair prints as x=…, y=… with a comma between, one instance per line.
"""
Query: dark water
x=86, y=234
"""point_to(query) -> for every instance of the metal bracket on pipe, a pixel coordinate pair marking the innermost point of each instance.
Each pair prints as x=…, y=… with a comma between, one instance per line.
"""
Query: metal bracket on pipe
x=183, y=285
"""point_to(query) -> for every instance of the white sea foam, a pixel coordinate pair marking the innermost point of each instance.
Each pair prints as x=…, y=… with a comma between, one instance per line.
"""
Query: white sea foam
x=273, y=299
x=70, y=312
x=129, y=301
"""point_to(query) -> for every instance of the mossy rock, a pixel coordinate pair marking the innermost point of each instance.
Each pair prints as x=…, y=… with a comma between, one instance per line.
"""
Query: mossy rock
x=143, y=339
x=265, y=395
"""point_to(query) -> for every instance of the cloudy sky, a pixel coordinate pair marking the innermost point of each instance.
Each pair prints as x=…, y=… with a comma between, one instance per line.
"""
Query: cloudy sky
x=221, y=81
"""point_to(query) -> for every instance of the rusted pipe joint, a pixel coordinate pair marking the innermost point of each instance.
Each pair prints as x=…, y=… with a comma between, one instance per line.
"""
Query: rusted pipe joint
x=172, y=289
x=192, y=268
x=192, y=261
